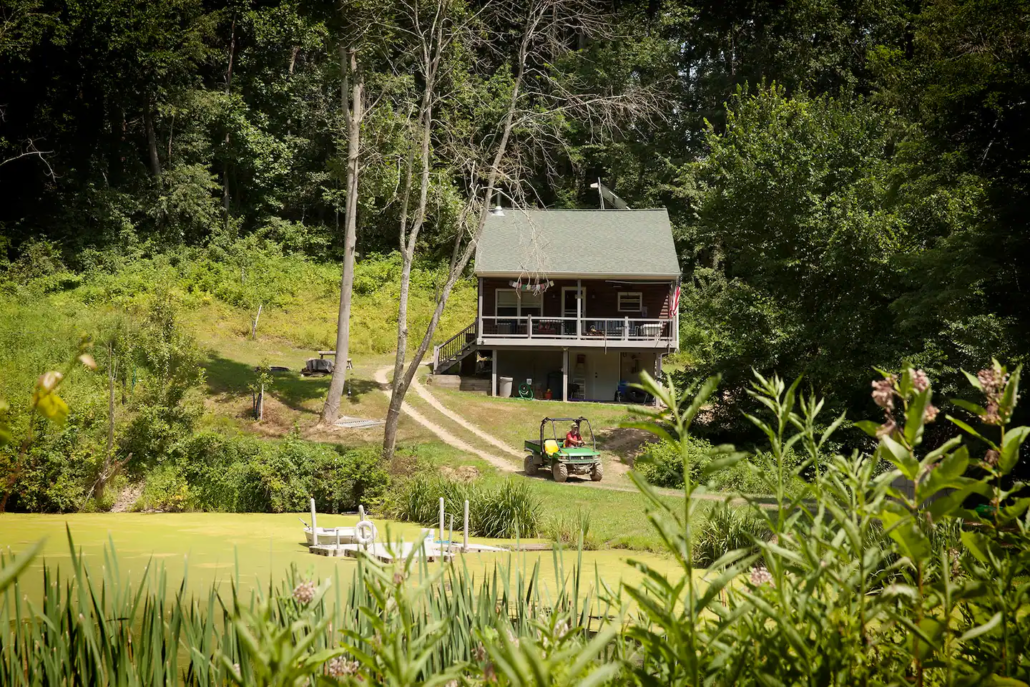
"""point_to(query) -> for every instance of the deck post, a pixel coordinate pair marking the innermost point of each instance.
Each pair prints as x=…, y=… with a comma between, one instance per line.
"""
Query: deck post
x=436, y=358
x=658, y=371
x=493, y=374
x=479, y=313
x=675, y=315
x=529, y=327
x=625, y=328
x=565, y=375
x=465, y=529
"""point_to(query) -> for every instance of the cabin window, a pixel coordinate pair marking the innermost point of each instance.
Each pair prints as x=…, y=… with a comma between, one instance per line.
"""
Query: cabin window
x=631, y=301
x=511, y=303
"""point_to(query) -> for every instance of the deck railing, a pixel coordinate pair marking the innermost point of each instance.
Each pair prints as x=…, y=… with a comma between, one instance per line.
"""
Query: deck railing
x=578, y=329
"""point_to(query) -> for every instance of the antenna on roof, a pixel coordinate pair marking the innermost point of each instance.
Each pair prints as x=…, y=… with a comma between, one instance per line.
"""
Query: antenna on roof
x=606, y=194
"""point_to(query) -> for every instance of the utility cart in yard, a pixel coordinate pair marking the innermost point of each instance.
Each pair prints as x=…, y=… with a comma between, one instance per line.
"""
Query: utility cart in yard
x=550, y=452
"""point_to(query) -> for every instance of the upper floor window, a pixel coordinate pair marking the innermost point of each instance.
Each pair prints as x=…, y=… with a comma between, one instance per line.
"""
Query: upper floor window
x=512, y=303
x=631, y=301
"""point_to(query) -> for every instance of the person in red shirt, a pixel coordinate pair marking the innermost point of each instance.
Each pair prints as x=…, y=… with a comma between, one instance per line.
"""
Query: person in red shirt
x=573, y=439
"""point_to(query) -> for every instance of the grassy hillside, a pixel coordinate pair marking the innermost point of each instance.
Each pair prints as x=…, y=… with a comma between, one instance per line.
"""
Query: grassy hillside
x=177, y=329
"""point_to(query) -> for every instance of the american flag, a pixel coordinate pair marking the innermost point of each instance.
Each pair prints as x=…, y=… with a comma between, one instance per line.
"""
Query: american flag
x=676, y=302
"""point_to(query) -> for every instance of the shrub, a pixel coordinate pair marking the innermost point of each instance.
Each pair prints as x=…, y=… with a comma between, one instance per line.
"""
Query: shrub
x=245, y=474
x=752, y=474
x=58, y=470
x=661, y=463
x=565, y=528
x=727, y=529
x=343, y=481
x=506, y=510
x=166, y=489
x=509, y=511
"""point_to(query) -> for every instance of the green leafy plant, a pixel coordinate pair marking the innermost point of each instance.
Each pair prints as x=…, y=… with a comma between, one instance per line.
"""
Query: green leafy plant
x=508, y=509
x=46, y=403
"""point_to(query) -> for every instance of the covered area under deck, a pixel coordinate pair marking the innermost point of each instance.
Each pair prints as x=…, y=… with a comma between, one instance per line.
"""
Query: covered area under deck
x=573, y=374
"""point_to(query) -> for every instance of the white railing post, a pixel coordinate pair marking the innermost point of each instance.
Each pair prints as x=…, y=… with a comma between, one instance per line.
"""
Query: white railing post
x=529, y=327
x=625, y=328
x=314, y=525
x=436, y=358
x=465, y=529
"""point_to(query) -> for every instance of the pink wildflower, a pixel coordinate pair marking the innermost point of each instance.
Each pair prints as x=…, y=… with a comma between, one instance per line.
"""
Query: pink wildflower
x=992, y=381
x=920, y=382
x=304, y=592
x=930, y=414
x=883, y=393
x=761, y=576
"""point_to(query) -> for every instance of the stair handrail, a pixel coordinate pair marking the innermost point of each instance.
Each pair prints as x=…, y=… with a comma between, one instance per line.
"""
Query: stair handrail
x=452, y=347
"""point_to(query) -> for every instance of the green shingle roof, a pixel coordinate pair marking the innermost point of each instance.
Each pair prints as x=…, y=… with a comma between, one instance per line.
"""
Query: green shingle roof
x=555, y=243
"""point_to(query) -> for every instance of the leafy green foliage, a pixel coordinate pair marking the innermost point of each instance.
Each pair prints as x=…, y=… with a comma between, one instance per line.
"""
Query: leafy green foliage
x=859, y=577
x=241, y=474
x=796, y=213
x=662, y=465
x=505, y=510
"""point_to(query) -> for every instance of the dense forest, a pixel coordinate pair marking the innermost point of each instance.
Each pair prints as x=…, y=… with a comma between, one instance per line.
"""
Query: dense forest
x=847, y=180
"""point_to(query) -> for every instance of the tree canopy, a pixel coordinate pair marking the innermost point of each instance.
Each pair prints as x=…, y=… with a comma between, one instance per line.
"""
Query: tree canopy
x=847, y=179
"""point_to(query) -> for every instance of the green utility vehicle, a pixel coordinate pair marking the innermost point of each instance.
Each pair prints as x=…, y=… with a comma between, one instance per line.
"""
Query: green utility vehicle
x=561, y=460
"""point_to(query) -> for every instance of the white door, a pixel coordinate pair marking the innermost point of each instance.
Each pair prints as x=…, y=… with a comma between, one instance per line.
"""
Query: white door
x=569, y=307
x=602, y=375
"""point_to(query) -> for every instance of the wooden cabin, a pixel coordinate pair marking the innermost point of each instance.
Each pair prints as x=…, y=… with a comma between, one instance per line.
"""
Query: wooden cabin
x=573, y=304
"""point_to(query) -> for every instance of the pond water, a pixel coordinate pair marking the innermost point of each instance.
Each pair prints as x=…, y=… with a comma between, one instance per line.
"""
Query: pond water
x=215, y=548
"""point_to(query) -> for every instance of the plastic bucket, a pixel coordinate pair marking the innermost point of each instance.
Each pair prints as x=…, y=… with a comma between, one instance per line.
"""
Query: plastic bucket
x=504, y=386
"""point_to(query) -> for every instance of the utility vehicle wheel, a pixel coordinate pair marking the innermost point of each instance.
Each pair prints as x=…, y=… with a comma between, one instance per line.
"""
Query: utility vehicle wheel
x=597, y=472
x=530, y=465
x=560, y=471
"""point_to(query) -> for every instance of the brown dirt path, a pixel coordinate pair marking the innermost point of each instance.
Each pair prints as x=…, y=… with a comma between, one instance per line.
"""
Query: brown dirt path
x=384, y=385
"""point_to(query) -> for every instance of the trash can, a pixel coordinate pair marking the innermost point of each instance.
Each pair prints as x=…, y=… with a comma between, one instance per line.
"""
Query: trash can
x=504, y=387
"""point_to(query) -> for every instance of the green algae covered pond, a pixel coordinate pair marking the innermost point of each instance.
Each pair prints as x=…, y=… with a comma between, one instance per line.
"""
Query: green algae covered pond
x=207, y=549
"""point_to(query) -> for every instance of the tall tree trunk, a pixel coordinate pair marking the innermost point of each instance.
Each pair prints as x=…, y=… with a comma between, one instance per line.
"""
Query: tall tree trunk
x=408, y=241
x=459, y=259
x=148, y=123
x=228, y=88
x=354, y=111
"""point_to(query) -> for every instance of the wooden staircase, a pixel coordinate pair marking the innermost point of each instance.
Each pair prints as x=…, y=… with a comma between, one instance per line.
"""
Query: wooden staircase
x=455, y=349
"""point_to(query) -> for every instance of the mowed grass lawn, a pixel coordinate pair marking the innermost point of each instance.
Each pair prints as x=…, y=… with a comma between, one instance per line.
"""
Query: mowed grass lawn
x=613, y=519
